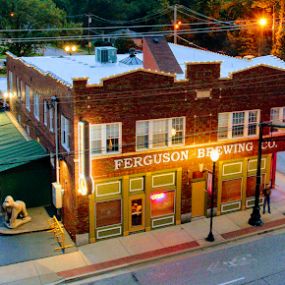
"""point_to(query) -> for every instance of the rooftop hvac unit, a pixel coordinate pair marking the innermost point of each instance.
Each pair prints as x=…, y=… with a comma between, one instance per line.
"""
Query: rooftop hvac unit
x=106, y=54
x=57, y=195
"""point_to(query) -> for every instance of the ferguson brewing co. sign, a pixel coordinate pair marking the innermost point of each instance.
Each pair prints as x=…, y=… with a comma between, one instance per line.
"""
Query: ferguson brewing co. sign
x=166, y=157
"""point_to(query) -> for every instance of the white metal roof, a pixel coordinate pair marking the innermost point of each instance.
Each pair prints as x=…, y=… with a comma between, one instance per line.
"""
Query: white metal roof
x=65, y=68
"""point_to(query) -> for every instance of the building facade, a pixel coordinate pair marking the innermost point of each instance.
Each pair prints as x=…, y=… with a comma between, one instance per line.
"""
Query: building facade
x=135, y=148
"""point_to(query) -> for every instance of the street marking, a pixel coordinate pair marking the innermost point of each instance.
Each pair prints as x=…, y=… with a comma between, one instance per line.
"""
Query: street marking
x=232, y=281
x=240, y=260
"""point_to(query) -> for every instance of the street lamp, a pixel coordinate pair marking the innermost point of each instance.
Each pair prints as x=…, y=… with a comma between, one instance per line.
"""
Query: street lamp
x=214, y=157
x=262, y=22
x=70, y=49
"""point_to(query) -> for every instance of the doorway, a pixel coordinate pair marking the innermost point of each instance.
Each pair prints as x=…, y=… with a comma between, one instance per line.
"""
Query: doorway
x=137, y=213
x=198, y=199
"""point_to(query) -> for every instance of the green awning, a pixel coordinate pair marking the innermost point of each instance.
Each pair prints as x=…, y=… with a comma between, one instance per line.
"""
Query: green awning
x=15, y=150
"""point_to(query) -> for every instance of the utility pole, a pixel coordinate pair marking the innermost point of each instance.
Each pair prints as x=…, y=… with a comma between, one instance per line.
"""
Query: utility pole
x=89, y=42
x=54, y=103
x=273, y=26
x=174, y=24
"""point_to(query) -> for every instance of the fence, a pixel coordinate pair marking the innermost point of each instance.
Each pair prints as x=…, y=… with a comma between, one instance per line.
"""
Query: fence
x=58, y=231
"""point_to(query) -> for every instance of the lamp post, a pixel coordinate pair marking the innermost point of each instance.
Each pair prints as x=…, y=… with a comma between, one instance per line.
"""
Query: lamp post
x=214, y=157
x=255, y=218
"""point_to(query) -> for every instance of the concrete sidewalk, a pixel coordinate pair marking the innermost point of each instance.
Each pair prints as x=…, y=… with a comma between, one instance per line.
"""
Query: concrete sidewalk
x=123, y=251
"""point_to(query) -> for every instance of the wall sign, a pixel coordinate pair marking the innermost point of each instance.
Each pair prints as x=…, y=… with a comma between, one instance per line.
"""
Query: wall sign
x=157, y=158
x=233, y=148
x=167, y=157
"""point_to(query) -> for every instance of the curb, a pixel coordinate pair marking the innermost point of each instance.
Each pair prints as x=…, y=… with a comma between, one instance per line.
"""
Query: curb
x=257, y=231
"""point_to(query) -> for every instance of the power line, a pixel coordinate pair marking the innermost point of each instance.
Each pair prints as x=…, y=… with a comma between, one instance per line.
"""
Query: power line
x=108, y=27
x=123, y=35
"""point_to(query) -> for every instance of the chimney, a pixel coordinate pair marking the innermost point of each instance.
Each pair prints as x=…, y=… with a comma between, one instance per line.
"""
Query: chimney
x=157, y=55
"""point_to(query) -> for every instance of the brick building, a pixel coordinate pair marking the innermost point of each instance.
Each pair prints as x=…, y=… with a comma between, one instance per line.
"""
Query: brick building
x=135, y=138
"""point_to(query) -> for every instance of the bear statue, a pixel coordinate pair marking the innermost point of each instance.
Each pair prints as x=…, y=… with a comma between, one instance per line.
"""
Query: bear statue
x=15, y=213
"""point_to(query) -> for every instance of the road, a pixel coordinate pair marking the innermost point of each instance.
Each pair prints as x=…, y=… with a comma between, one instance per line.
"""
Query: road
x=256, y=261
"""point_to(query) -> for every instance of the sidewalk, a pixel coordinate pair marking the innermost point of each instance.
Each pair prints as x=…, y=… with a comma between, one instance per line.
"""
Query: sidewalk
x=119, y=252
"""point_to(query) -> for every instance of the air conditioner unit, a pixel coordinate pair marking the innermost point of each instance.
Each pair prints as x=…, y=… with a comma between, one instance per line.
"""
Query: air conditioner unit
x=106, y=54
x=57, y=195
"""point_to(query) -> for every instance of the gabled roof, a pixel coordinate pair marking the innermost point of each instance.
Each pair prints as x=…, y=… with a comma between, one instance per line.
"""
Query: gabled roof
x=15, y=150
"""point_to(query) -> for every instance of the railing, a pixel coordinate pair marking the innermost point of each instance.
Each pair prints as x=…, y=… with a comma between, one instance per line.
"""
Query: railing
x=58, y=231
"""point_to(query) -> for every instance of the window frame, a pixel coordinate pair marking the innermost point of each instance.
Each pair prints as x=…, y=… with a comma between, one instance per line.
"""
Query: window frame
x=63, y=133
x=28, y=92
x=169, y=123
x=45, y=113
x=228, y=127
x=11, y=79
x=36, y=98
x=280, y=119
x=51, y=120
x=103, y=134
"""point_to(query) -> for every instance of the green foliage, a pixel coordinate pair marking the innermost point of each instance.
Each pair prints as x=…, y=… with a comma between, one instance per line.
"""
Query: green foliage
x=101, y=43
x=3, y=50
x=124, y=44
x=28, y=14
x=3, y=70
x=40, y=14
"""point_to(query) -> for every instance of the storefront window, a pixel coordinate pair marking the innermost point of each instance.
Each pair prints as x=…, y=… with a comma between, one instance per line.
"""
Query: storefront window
x=108, y=213
x=231, y=190
x=162, y=203
x=251, y=184
x=137, y=208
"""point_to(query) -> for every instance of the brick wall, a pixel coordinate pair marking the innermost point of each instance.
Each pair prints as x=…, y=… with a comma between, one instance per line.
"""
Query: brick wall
x=142, y=95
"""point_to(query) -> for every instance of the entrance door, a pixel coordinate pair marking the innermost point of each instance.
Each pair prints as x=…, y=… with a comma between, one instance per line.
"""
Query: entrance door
x=137, y=213
x=198, y=198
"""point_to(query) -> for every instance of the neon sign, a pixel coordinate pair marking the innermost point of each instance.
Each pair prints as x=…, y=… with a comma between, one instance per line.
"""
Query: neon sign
x=157, y=196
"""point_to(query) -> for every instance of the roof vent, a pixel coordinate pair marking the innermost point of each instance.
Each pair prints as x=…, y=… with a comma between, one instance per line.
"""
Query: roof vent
x=106, y=54
x=132, y=59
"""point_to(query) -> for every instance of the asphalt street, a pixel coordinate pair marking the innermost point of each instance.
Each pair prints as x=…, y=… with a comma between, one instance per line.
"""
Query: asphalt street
x=258, y=262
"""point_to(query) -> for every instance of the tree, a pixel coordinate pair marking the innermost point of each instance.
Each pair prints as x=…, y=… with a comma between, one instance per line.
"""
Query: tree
x=279, y=43
x=24, y=15
x=124, y=44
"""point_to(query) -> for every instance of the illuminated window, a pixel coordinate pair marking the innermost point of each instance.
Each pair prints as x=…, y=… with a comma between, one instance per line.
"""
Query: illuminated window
x=162, y=203
x=160, y=133
x=238, y=124
x=65, y=135
x=105, y=138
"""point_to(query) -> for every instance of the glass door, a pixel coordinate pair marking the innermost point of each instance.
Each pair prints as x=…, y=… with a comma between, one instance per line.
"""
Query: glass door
x=137, y=213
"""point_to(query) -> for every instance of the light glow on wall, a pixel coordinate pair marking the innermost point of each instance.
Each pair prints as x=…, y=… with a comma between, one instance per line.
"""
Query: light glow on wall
x=157, y=196
x=82, y=187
